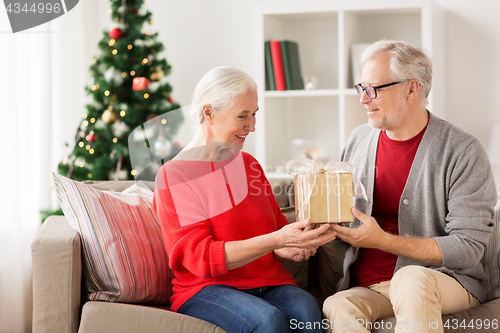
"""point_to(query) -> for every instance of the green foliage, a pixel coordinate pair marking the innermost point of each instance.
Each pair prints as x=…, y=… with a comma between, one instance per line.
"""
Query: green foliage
x=101, y=142
x=48, y=213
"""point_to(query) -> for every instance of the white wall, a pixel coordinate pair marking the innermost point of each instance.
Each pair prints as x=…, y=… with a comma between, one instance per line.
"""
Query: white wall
x=473, y=64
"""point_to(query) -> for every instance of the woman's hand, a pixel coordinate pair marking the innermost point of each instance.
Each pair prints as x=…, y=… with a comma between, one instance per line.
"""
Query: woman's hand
x=300, y=234
x=295, y=253
x=303, y=234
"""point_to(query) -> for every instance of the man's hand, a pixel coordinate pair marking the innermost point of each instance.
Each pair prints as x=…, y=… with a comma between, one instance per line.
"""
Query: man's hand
x=368, y=235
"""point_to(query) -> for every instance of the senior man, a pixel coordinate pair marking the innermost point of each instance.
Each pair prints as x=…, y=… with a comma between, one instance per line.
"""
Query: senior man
x=416, y=244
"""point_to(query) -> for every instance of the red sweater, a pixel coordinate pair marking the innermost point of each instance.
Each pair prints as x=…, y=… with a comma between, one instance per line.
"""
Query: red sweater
x=201, y=205
x=393, y=164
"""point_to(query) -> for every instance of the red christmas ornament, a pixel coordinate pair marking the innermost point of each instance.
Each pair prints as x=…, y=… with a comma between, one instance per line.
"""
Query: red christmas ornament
x=170, y=99
x=115, y=33
x=91, y=138
x=140, y=83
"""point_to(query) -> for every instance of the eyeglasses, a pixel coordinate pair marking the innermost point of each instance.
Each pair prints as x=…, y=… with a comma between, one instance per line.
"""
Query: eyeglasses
x=371, y=91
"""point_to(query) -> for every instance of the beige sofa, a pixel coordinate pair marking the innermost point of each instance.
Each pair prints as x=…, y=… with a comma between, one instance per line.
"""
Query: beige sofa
x=59, y=304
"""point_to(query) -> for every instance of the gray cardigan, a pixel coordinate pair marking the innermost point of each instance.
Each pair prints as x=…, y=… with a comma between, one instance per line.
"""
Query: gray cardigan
x=449, y=195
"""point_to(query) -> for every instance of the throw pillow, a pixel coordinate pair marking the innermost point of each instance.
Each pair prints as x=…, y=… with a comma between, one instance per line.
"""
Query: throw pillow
x=492, y=259
x=123, y=252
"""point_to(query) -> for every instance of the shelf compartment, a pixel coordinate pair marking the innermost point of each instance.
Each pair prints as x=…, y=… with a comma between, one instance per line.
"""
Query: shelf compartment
x=300, y=28
x=303, y=118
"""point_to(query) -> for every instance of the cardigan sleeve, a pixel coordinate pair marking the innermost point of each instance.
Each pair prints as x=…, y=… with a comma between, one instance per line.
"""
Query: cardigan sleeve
x=186, y=228
x=470, y=202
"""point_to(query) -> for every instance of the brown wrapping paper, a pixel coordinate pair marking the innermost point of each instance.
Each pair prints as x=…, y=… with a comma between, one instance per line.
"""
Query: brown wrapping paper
x=331, y=196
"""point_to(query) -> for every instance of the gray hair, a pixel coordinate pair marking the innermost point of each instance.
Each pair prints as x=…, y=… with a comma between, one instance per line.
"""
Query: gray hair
x=219, y=88
x=407, y=62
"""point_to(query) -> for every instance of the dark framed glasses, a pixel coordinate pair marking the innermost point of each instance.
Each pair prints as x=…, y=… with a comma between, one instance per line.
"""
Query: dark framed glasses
x=371, y=91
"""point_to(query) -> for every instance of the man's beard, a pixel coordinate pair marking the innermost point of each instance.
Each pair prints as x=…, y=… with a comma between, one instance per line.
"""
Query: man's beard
x=391, y=121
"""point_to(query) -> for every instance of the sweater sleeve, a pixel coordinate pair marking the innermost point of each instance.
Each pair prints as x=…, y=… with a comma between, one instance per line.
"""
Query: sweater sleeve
x=469, y=220
x=281, y=220
x=186, y=228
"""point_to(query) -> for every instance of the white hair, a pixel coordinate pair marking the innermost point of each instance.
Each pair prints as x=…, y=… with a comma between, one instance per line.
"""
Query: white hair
x=219, y=88
x=407, y=62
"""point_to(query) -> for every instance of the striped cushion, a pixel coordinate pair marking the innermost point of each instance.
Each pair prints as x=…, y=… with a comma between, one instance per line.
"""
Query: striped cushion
x=123, y=252
x=492, y=259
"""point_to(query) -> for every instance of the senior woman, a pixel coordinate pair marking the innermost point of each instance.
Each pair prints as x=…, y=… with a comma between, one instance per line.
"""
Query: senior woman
x=223, y=230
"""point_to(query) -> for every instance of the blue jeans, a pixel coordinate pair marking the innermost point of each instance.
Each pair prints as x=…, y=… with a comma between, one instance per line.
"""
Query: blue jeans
x=275, y=309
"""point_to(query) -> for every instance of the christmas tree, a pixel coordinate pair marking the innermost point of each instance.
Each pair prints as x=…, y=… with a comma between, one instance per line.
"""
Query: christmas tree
x=128, y=89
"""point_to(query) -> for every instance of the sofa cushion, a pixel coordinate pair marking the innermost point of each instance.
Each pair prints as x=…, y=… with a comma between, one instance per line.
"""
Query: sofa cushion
x=283, y=192
x=123, y=252
x=126, y=318
x=492, y=259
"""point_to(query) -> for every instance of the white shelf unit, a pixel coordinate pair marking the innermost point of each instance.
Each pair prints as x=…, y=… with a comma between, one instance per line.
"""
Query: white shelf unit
x=325, y=33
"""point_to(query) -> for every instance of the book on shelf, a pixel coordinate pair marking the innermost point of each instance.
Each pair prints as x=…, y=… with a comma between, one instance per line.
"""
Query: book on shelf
x=279, y=73
x=282, y=64
x=270, y=83
x=291, y=65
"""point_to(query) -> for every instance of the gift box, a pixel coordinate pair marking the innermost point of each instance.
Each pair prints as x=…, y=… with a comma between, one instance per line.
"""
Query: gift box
x=323, y=194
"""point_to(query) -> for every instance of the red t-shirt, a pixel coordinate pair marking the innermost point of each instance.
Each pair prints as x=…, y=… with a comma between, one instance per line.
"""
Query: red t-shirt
x=201, y=205
x=393, y=164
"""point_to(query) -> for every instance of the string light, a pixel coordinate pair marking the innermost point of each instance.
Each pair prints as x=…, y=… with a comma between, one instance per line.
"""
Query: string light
x=92, y=120
x=124, y=74
x=91, y=151
x=95, y=59
x=147, y=33
x=85, y=123
x=89, y=175
x=146, y=95
x=122, y=113
x=82, y=134
x=129, y=46
x=115, y=140
x=145, y=61
x=81, y=144
x=81, y=164
x=132, y=73
x=84, y=116
x=106, y=93
x=133, y=172
x=87, y=147
x=115, y=51
x=112, y=42
x=164, y=121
